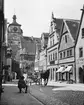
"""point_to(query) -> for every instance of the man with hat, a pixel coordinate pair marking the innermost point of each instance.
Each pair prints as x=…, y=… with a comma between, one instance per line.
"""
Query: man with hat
x=22, y=84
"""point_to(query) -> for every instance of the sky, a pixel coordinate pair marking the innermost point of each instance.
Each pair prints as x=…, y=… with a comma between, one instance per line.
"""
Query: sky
x=35, y=15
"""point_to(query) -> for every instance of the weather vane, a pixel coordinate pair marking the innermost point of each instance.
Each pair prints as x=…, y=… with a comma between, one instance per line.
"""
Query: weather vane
x=14, y=11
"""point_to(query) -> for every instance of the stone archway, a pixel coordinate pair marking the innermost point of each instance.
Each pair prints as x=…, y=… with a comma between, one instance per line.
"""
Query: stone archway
x=81, y=75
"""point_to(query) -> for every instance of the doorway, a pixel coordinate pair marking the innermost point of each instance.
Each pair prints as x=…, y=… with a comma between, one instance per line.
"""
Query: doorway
x=81, y=75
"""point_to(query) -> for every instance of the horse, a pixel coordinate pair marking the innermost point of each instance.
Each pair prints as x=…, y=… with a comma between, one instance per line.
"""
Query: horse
x=45, y=76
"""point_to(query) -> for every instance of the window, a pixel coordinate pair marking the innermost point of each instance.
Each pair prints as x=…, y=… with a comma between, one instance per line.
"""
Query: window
x=56, y=69
x=51, y=57
x=60, y=55
x=52, y=28
x=55, y=56
x=53, y=41
x=70, y=52
x=81, y=52
x=65, y=38
x=53, y=73
x=64, y=54
x=50, y=43
x=82, y=32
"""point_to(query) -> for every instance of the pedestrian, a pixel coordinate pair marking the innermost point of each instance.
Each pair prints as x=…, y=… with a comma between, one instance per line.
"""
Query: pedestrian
x=22, y=84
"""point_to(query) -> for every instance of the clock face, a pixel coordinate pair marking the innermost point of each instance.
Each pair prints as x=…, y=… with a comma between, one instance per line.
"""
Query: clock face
x=15, y=29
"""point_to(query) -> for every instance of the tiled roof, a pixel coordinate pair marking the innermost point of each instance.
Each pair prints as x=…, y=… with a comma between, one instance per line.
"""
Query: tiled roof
x=14, y=24
x=32, y=39
x=58, y=22
x=81, y=20
x=46, y=35
x=27, y=38
x=39, y=47
x=30, y=46
x=73, y=27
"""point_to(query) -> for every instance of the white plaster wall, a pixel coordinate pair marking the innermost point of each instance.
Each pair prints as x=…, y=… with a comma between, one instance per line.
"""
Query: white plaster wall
x=80, y=43
x=71, y=59
x=42, y=61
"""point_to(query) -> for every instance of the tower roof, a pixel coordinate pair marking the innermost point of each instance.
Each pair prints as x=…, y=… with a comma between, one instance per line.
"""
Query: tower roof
x=14, y=18
x=52, y=15
x=14, y=23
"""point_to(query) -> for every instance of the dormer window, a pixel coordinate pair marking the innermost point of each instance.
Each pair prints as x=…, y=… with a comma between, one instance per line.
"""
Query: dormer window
x=83, y=32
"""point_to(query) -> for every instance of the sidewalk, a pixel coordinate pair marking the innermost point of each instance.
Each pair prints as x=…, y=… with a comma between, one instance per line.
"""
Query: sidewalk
x=63, y=85
x=75, y=87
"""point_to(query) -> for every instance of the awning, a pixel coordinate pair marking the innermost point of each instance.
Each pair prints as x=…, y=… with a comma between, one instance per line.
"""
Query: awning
x=67, y=69
x=60, y=69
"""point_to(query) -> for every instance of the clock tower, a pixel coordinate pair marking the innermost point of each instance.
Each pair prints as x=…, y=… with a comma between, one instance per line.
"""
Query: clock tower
x=15, y=34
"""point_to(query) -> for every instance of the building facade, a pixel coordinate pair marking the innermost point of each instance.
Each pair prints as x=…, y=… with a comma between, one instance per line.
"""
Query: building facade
x=67, y=69
x=43, y=52
x=52, y=48
x=79, y=50
x=37, y=56
x=32, y=48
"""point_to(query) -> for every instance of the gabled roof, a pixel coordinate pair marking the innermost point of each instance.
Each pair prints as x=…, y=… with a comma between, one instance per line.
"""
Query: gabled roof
x=80, y=25
x=73, y=27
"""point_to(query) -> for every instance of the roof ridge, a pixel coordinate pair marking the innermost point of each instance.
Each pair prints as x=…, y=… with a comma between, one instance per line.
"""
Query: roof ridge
x=68, y=19
x=73, y=20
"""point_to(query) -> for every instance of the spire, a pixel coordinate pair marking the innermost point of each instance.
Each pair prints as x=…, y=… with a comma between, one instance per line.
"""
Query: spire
x=52, y=15
x=14, y=18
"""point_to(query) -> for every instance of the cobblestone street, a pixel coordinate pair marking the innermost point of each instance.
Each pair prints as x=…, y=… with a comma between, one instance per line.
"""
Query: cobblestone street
x=60, y=97
x=64, y=95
